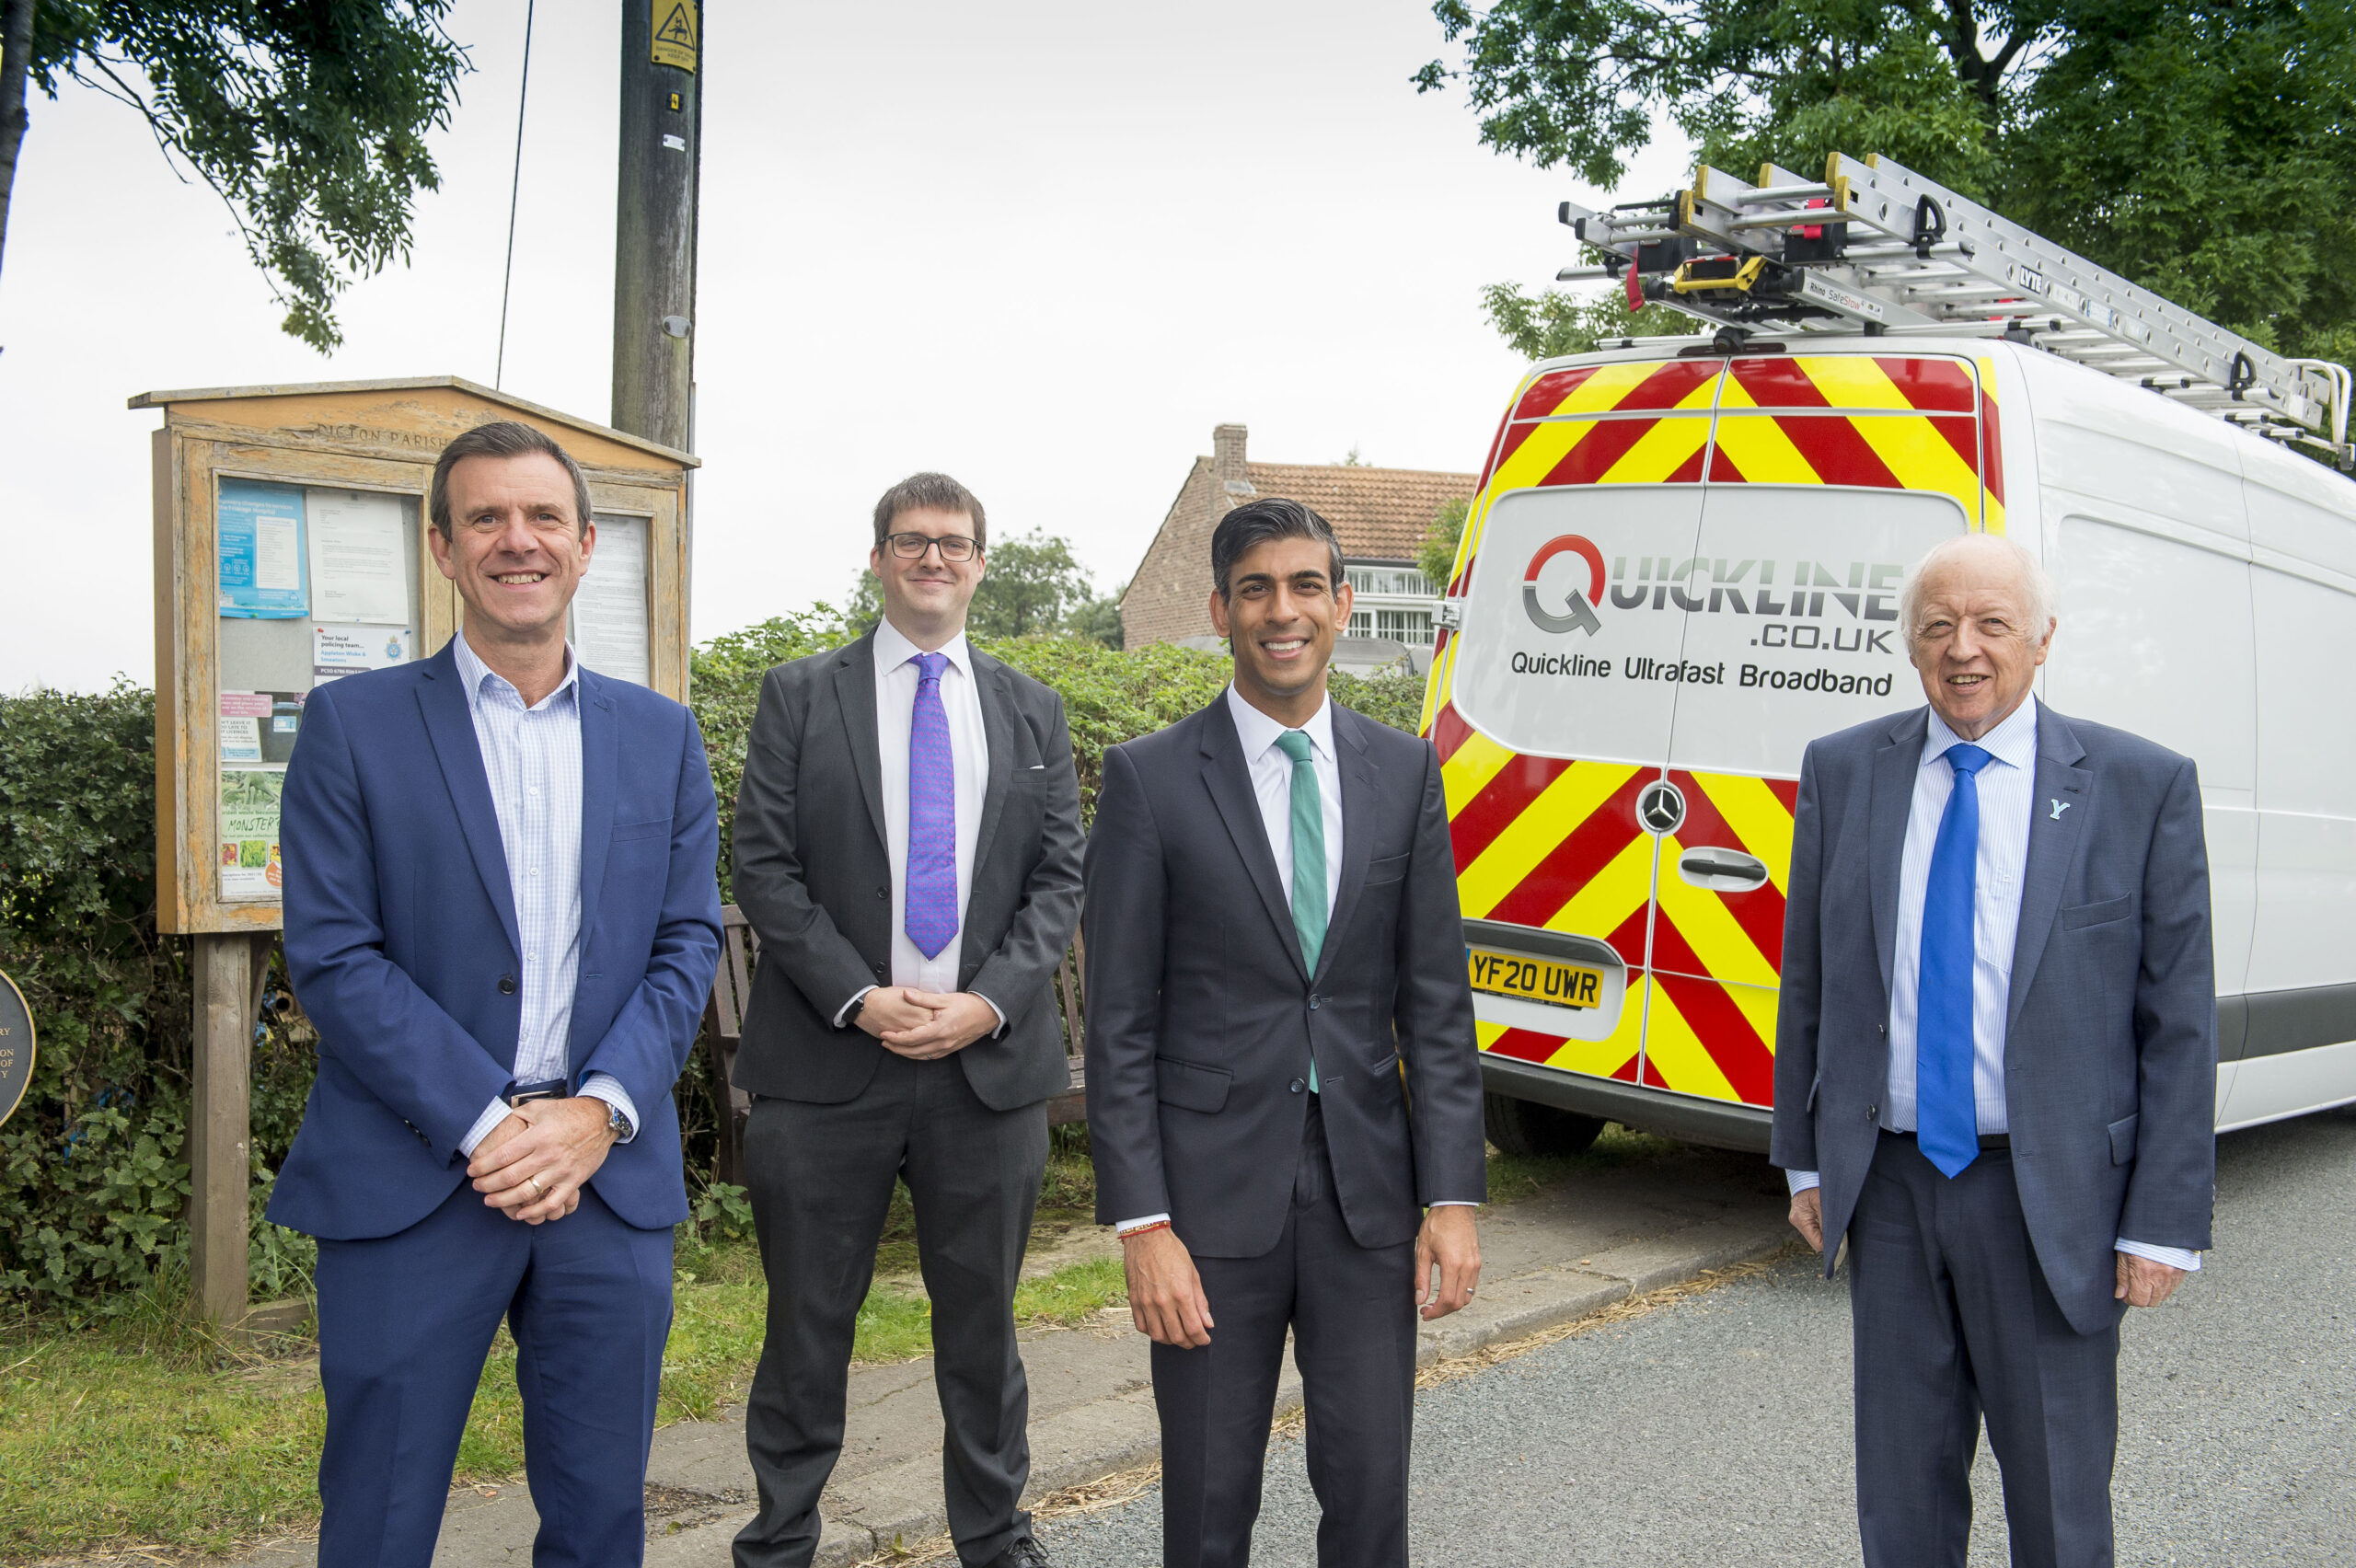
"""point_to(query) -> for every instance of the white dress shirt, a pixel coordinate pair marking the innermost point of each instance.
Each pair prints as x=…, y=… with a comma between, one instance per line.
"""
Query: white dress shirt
x=1271, y=771
x=2007, y=789
x=531, y=756
x=896, y=676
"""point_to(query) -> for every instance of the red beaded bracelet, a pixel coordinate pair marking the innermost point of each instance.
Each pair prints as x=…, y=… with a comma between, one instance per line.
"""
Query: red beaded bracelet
x=1141, y=1229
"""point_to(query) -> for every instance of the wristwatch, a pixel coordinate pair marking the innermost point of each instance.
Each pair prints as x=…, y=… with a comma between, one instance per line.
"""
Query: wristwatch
x=857, y=1005
x=618, y=1123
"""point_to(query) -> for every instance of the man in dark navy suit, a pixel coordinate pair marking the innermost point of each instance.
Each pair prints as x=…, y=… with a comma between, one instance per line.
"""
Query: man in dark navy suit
x=501, y=915
x=1284, y=1094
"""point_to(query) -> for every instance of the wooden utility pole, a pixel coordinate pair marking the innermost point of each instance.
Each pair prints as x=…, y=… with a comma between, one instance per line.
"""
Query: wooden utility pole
x=229, y=970
x=654, y=231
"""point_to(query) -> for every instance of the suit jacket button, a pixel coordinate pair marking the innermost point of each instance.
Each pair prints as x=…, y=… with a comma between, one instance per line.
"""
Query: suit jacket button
x=1315, y=1001
x=1297, y=1086
x=882, y=893
x=1872, y=1112
x=507, y=984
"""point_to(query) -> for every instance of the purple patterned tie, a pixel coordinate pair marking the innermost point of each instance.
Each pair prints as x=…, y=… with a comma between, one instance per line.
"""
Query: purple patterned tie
x=930, y=918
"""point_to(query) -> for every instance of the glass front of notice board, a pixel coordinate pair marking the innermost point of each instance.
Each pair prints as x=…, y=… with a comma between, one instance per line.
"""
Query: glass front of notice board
x=315, y=583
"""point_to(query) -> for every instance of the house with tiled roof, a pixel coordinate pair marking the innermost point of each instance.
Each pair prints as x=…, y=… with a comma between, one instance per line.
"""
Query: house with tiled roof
x=1378, y=514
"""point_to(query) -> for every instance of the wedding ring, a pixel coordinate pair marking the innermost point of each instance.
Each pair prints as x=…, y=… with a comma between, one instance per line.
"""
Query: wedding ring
x=535, y=1180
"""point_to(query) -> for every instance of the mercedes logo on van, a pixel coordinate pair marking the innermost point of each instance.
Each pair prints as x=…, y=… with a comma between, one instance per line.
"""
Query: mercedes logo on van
x=1661, y=807
x=1575, y=615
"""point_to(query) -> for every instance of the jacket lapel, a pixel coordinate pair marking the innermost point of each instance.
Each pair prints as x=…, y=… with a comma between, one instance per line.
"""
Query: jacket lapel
x=1229, y=782
x=2052, y=846
x=997, y=730
x=1358, y=776
x=855, y=695
x=1895, y=767
x=450, y=725
x=598, y=757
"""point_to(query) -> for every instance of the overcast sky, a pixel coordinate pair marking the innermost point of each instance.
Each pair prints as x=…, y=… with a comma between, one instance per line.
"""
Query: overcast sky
x=1044, y=247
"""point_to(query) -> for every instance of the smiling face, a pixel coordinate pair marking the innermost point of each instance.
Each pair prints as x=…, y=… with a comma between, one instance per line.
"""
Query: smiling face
x=1281, y=614
x=925, y=596
x=514, y=549
x=1974, y=640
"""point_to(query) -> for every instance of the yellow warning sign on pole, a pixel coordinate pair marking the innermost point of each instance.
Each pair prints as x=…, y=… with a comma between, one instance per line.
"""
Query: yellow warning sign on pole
x=675, y=29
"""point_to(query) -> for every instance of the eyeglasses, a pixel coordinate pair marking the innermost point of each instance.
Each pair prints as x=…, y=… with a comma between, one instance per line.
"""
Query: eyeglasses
x=911, y=546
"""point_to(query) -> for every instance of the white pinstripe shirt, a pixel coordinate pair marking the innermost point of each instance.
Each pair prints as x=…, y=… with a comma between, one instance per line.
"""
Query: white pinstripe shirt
x=531, y=757
x=2007, y=789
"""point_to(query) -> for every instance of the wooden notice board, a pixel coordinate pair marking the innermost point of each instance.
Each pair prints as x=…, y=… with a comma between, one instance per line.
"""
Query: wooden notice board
x=291, y=550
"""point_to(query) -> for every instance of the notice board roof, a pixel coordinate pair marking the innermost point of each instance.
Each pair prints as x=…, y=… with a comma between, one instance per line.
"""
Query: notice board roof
x=335, y=407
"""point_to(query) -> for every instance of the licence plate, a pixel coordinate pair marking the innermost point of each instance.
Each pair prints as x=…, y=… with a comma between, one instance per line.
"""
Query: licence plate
x=1534, y=979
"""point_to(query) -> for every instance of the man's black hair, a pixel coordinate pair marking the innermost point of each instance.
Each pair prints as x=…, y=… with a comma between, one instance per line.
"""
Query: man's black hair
x=1255, y=523
x=502, y=438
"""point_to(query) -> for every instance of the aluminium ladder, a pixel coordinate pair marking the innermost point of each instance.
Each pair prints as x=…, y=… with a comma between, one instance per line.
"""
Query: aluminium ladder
x=1877, y=248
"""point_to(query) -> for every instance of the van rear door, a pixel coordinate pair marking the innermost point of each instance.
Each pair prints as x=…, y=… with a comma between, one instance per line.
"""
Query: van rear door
x=1828, y=475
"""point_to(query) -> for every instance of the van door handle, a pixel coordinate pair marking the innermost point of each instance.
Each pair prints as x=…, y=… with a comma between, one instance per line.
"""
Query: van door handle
x=1722, y=871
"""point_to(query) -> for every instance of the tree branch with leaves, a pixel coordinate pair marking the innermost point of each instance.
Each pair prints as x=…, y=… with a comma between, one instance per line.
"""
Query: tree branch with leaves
x=309, y=118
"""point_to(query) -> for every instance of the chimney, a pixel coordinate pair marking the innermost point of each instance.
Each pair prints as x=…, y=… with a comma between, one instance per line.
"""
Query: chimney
x=1230, y=479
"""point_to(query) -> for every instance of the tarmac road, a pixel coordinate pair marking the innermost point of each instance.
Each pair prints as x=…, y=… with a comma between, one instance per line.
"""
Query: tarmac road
x=1717, y=1430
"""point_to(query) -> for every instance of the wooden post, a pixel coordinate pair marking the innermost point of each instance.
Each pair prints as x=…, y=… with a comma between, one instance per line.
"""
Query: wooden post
x=655, y=218
x=220, y=1130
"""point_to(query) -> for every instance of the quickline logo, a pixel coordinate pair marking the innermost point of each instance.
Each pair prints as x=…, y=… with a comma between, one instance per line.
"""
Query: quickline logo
x=1575, y=614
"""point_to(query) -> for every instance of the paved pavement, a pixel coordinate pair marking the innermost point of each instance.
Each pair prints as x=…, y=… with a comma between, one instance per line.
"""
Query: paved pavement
x=1717, y=1430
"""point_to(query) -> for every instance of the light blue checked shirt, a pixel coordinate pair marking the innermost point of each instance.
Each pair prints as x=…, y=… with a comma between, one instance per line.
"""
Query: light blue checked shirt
x=532, y=757
x=2006, y=788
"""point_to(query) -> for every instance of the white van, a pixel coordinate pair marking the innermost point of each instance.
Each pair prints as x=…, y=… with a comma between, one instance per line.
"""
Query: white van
x=1683, y=565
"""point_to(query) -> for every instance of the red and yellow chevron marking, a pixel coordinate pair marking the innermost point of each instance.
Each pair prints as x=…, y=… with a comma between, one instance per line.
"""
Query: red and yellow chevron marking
x=1992, y=457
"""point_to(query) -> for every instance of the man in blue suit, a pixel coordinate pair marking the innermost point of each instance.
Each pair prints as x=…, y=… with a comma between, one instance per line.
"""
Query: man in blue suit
x=1995, y=1066
x=501, y=915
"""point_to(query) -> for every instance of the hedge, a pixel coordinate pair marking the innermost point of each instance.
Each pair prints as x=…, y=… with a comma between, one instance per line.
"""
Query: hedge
x=92, y=1173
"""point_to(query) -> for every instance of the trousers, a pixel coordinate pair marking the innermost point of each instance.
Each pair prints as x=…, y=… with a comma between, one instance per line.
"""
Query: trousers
x=405, y=1323
x=821, y=1185
x=1952, y=1320
x=1351, y=1311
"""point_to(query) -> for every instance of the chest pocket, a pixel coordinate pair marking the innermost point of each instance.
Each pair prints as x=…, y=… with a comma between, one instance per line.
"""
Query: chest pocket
x=1389, y=869
x=654, y=827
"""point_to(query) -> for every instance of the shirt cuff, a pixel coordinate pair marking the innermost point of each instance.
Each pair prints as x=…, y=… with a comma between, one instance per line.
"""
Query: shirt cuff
x=607, y=1088
x=498, y=1111
x=844, y=1011
x=1001, y=1017
x=2175, y=1257
x=1453, y=1202
x=1128, y=1225
x=1801, y=1181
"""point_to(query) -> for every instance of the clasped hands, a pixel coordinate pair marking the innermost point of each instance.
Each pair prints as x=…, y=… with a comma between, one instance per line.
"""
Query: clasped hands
x=533, y=1164
x=2142, y=1282
x=1167, y=1303
x=925, y=1025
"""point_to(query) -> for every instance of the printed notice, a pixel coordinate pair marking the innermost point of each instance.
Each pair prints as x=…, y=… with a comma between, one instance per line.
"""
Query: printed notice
x=259, y=529
x=341, y=651
x=243, y=714
x=250, y=856
x=609, y=609
x=357, y=571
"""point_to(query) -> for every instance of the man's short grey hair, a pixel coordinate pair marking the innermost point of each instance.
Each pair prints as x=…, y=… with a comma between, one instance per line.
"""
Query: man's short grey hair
x=2034, y=581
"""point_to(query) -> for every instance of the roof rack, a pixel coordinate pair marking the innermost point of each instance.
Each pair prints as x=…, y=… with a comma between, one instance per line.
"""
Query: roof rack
x=1878, y=249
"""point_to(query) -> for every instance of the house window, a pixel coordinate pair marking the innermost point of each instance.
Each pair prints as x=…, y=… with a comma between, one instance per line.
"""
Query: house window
x=1413, y=627
x=1403, y=580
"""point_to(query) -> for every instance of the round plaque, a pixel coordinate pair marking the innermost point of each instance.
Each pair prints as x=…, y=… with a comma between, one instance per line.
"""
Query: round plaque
x=16, y=1047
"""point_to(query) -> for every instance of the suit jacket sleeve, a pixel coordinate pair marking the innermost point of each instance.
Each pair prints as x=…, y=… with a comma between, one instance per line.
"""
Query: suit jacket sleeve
x=2172, y=1187
x=1026, y=957
x=1125, y=918
x=1800, y=1004
x=796, y=932
x=374, y=1020
x=652, y=1036
x=1433, y=1015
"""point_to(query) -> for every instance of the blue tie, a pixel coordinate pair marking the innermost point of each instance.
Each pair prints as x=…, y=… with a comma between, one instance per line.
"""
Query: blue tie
x=1945, y=1114
x=930, y=914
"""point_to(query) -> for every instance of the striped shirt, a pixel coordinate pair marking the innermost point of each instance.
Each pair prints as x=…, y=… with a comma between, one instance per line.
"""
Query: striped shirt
x=531, y=757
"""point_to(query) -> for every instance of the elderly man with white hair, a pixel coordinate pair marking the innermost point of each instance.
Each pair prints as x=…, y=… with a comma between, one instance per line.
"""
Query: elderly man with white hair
x=1995, y=1066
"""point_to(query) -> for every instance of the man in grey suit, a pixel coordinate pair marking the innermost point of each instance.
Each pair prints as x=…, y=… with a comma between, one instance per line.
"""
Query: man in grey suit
x=1995, y=1066
x=908, y=846
x=1284, y=1095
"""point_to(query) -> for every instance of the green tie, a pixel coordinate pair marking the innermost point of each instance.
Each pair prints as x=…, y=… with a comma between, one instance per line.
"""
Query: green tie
x=1308, y=858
